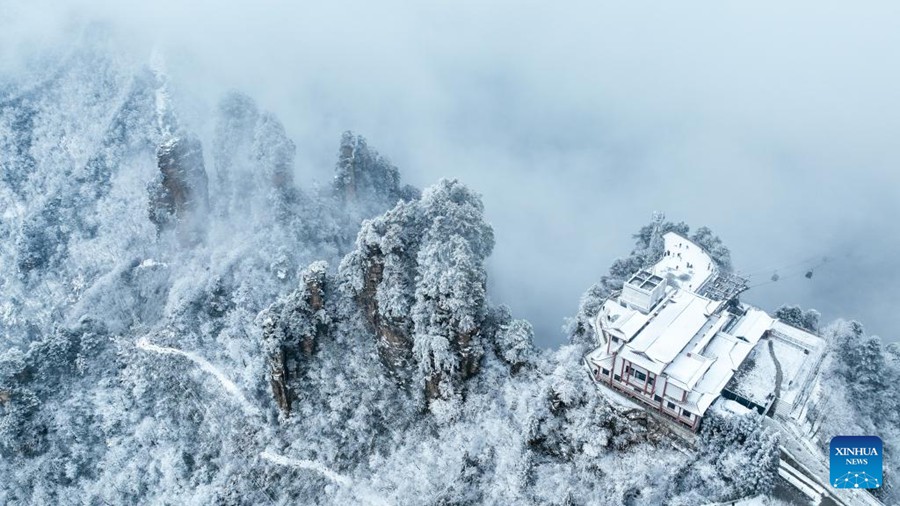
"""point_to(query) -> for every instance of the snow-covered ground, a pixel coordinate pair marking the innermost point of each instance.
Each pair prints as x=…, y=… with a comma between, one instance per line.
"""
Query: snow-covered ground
x=755, y=380
x=684, y=262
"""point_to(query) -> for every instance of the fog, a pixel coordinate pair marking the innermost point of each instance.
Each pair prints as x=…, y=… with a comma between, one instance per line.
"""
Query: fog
x=776, y=125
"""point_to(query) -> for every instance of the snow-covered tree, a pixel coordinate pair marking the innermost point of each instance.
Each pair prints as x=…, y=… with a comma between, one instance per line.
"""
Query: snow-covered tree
x=743, y=453
x=451, y=285
x=656, y=245
x=713, y=245
x=857, y=376
x=515, y=343
x=794, y=315
x=292, y=328
x=418, y=275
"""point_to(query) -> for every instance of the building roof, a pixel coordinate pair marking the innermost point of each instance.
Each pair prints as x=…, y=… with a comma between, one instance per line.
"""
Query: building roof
x=690, y=340
x=673, y=326
x=621, y=320
x=645, y=280
x=752, y=325
x=687, y=369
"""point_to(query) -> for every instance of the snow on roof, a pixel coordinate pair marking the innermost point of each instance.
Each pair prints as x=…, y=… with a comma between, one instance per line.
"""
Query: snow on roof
x=645, y=280
x=707, y=381
x=626, y=321
x=641, y=359
x=600, y=357
x=752, y=325
x=709, y=332
x=717, y=377
x=685, y=262
x=700, y=348
x=671, y=329
x=687, y=369
x=698, y=402
x=729, y=349
x=708, y=363
x=730, y=408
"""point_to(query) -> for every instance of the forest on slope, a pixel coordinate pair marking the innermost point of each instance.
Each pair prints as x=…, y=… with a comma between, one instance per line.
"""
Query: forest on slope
x=182, y=322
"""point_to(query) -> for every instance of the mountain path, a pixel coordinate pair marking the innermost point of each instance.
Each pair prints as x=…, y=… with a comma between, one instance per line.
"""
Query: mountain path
x=365, y=495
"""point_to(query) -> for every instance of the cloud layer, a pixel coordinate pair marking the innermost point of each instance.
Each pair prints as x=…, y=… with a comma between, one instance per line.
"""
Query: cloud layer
x=774, y=124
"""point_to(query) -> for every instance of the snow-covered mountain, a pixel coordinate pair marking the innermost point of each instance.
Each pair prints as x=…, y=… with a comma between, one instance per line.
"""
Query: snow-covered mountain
x=183, y=322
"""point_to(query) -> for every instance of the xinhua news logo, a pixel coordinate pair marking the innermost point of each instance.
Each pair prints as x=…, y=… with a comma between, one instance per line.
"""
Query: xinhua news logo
x=856, y=462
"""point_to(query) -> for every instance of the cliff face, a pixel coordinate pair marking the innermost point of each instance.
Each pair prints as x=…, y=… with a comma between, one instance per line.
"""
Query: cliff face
x=179, y=197
x=417, y=275
x=392, y=335
x=366, y=183
x=292, y=328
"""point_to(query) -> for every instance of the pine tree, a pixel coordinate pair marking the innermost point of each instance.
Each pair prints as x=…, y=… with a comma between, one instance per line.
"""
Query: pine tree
x=656, y=247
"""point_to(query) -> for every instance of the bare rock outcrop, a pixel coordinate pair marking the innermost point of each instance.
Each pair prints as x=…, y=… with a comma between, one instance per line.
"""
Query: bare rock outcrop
x=365, y=182
x=179, y=197
x=292, y=328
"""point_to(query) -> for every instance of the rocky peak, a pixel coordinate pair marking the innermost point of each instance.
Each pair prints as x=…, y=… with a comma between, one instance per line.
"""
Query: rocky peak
x=254, y=161
x=417, y=273
x=179, y=196
x=292, y=328
x=364, y=179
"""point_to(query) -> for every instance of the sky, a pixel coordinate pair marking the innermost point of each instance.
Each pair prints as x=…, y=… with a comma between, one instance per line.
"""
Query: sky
x=776, y=125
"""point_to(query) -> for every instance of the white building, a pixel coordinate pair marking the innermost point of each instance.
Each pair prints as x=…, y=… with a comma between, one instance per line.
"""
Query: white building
x=673, y=338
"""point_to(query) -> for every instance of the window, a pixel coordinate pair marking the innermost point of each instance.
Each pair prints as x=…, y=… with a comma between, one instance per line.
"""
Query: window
x=671, y=405
x=688, y=415
x=605, y=372
x=636, y=389
x=617, y=377
x=640, y=376
x=657, y=398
